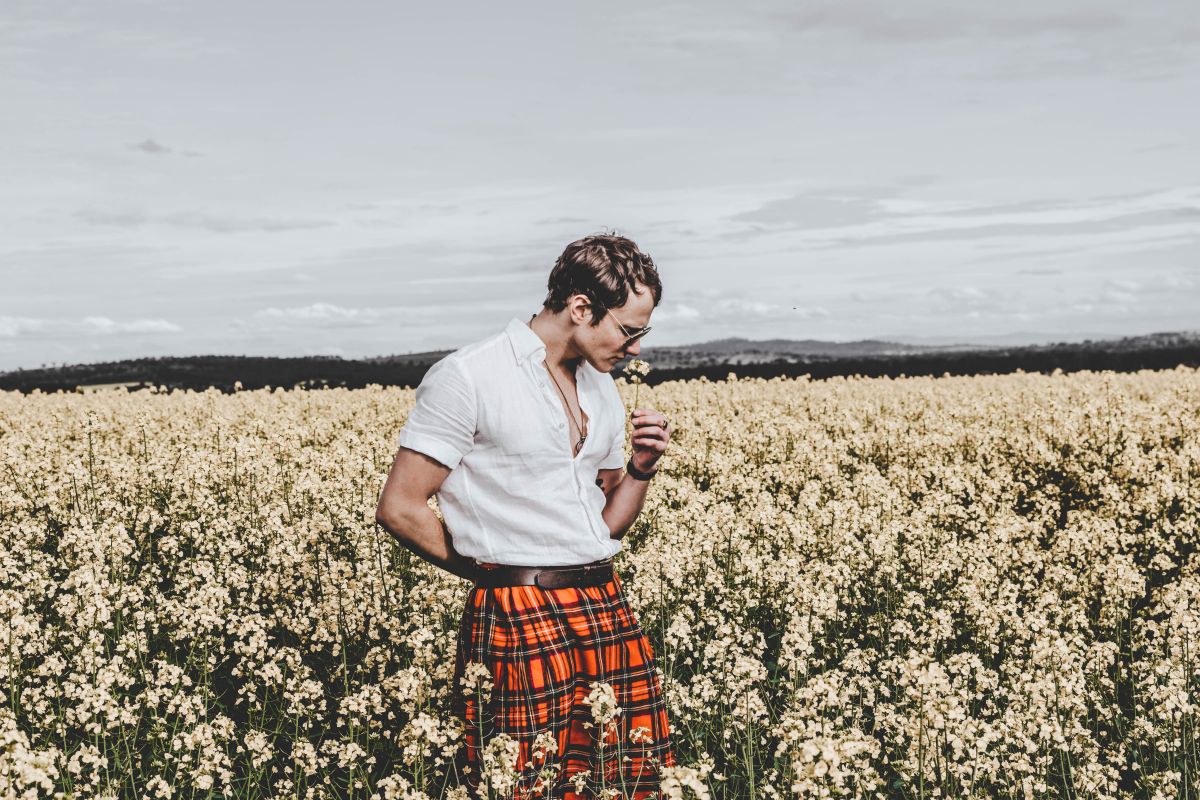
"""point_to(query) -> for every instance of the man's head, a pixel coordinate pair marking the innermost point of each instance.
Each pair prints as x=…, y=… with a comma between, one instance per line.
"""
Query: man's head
x=607, y=288
x=605, y=268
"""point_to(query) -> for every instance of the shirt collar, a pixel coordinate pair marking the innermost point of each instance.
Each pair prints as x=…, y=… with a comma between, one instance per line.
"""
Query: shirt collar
x=525, y=343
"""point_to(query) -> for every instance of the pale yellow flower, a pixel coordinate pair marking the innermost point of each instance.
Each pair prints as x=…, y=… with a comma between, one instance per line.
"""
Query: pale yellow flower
x=500, y=769
x=937, y=579
x=477, y=680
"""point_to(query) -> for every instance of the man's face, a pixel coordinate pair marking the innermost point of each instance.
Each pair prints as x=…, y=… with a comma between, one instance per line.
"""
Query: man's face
x=606, y=342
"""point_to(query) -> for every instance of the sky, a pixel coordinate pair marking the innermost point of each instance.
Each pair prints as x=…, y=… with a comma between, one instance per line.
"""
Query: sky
x=371, y=178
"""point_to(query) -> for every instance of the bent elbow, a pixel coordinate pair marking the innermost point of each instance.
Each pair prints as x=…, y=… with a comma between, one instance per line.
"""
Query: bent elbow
x=395, y=514
x=386, y=515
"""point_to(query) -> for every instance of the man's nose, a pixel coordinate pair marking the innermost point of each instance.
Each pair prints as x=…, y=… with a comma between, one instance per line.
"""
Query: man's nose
x=634, y=348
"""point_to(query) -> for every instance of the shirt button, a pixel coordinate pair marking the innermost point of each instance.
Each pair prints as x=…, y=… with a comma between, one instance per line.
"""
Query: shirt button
x=560, y=425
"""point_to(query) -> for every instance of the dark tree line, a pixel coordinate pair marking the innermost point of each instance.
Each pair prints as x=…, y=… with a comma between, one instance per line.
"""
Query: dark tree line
x=223, y=372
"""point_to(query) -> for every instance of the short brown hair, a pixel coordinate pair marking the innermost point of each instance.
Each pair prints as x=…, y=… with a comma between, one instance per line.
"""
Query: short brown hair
x=604, y=267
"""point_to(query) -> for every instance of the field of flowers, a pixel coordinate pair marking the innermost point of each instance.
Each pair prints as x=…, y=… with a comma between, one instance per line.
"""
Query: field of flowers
x=952, y=587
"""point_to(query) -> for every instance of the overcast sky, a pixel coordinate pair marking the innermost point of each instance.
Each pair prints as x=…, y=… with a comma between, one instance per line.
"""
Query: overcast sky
x=373, y=178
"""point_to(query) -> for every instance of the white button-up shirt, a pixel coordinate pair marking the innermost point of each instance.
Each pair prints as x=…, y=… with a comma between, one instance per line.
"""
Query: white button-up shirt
x=515, y=495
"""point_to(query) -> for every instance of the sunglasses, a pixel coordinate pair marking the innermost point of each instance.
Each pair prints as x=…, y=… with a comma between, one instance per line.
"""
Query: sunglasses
x=633, y=335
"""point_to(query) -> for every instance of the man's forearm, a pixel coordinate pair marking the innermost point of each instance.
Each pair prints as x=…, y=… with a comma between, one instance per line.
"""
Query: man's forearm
x=624, y=504
x=423, y=533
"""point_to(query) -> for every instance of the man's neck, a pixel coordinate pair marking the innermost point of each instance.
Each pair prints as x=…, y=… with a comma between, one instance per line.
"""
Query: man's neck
x=559, y=355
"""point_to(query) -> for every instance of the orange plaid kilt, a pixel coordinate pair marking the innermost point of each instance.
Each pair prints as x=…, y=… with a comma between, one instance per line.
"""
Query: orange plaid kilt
x=543, y=648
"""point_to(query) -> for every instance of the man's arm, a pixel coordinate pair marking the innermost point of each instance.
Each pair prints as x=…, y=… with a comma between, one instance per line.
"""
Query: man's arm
x=649, y=440
x=625, y=499
x=404, y=512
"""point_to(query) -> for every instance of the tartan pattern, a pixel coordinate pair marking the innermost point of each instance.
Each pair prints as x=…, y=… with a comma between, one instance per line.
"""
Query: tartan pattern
x=543, y=649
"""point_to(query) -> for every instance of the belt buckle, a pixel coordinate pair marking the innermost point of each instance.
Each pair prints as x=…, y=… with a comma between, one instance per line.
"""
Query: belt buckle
x=593, y=574
x=563, y=578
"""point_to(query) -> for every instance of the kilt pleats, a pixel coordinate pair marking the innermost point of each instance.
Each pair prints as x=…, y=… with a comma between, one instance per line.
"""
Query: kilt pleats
x=543, y=649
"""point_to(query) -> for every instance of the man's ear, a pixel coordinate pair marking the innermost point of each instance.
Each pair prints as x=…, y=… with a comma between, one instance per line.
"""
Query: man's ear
x=581, y=309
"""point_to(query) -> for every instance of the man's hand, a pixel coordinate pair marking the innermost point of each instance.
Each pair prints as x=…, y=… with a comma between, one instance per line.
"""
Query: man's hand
x=651, y=434
x=650, y=437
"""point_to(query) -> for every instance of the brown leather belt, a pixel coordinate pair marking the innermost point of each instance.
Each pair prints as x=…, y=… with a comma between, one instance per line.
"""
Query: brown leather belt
x=494, y=576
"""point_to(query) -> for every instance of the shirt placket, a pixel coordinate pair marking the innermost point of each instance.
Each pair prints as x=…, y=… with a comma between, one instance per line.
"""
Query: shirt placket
x=541, y=378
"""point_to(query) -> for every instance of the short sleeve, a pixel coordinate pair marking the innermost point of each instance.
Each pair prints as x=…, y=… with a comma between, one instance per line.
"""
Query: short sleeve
x=616, y=446
x=616, y=452
x=442, y=423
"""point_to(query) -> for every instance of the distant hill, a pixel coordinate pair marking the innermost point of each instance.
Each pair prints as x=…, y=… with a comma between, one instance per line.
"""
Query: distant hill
x=713, y=360
x=725, y=351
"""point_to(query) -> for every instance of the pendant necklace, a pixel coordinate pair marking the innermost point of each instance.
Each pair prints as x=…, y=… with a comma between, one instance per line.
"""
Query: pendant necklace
x=578, y=423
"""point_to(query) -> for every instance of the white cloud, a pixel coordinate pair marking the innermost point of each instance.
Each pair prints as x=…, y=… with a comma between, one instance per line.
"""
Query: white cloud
x=734, y=305
x=1124, y=285
x=974, y=302
x=22, y=327
x=323, y=314
x=736, y=308
x=197, y=220
x=16, y=327
x=675, y=312
x=894, y=24
x=961, y=294
x=828, y=221
x=1123, y=298
x=499, y=277
x=104, y=325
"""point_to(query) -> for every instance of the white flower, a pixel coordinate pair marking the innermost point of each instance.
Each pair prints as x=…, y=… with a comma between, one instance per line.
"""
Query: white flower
x=500, y=764
x=477, y=680
x=675, y=781
x=605, y=710
x=637, y=369
x=579, y=779
x=603, y=701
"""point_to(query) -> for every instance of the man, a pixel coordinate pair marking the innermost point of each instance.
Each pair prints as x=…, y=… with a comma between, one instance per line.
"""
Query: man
x=521, y=436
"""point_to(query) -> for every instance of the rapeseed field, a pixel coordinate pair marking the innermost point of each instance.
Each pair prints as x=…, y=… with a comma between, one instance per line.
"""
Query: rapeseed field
x=925, y=587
